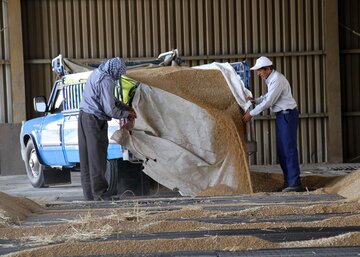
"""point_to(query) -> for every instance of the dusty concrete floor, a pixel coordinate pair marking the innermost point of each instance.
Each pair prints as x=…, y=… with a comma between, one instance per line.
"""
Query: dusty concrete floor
x=19, y=185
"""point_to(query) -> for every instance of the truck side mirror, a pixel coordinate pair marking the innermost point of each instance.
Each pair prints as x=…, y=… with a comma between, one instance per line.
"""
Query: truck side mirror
x=40, y=103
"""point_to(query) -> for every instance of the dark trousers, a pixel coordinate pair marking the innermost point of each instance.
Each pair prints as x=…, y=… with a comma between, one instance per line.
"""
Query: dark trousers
x=93, y=144
x=286, y=142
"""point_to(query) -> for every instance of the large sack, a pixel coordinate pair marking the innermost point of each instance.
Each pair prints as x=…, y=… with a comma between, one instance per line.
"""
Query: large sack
x=189, y=130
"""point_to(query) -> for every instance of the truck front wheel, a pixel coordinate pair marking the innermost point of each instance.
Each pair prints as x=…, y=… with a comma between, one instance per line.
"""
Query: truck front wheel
x=34, y=169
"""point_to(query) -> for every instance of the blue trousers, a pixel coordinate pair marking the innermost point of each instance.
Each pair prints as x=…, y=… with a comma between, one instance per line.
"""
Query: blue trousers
x=286, y=140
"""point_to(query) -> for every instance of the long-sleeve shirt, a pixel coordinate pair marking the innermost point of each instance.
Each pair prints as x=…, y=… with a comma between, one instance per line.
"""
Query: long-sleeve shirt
x=278, y=97
x=99, y=99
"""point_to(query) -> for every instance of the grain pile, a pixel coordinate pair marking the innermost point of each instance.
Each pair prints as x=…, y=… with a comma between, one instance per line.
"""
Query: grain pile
x=218, y=153
x=348, y=186
x=273, y=182
x=14, y=209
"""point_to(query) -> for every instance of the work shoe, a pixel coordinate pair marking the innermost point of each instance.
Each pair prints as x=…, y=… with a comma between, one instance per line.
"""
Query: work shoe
x=293, y=189
x=107, y=198
x=104, y=197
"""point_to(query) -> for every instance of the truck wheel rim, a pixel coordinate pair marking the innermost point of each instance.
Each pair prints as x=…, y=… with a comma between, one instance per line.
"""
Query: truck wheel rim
x=34, y=164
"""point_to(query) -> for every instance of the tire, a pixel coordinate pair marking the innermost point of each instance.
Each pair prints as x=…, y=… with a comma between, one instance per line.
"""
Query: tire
x=111, y=175
x=34, y=169
x=132, y=181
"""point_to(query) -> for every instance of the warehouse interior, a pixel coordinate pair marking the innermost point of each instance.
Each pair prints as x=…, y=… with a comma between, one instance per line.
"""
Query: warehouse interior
x=314, y=43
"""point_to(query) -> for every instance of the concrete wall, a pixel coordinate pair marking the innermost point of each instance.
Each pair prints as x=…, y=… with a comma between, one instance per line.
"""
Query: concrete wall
x=10, y=156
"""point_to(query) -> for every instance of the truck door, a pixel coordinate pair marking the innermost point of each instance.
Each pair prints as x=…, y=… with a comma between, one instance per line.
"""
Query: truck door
x=71, y=137
x=73, y=95
x=51, y=147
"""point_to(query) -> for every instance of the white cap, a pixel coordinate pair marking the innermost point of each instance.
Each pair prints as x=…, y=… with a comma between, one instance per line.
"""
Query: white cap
x=261, y=62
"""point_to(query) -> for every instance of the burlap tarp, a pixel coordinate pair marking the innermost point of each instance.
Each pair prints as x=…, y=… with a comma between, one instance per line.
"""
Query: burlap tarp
x=188, y=130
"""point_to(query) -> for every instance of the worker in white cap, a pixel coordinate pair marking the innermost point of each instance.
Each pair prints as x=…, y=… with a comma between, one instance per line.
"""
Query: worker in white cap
x=280, y=101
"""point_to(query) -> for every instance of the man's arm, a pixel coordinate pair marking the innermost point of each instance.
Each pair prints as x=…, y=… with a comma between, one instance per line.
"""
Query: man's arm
x=265, y=102
x=111, y=106
x=269, y=99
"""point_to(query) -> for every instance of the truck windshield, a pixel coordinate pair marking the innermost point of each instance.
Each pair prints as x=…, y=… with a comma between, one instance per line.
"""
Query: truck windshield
x=57, y=98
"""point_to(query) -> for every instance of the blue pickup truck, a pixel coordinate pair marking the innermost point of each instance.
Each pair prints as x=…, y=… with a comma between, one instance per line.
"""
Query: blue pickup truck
x=49, y=144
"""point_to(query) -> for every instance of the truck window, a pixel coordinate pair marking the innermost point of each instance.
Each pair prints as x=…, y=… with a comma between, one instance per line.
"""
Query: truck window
x=58, y=107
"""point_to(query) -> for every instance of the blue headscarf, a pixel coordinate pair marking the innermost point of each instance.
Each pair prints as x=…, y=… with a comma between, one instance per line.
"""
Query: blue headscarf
x=114, y=67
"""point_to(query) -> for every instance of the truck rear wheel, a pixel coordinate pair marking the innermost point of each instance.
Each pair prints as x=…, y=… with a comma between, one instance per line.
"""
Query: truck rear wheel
x=125, y=177
x=34, y=169
x=111, y=175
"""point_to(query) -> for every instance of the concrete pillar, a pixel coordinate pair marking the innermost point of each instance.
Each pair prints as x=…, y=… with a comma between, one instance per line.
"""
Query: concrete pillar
x=16, y=61
x=332, y=76
x=10, y=160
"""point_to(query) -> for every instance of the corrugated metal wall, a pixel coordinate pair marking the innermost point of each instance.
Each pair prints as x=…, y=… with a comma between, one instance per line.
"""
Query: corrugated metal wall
x=349, y=20
x=5, y=80
x=290, y=32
